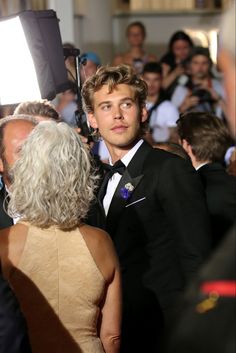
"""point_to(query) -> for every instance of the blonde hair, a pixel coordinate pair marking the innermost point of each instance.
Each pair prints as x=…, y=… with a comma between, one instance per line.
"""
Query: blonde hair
x=113, y=76
x=53, y=182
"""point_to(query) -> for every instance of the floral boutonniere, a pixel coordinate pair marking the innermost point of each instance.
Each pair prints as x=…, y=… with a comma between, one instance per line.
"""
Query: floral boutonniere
x=126, y=191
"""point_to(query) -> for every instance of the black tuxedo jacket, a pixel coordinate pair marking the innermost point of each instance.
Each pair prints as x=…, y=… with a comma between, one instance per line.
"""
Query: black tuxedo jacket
x=220, y=189
x=13, y=330
x=161, y=234
x=5, y=220
x=214, y=329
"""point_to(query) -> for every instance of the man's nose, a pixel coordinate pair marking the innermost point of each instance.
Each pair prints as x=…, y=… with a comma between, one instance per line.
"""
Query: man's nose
x=118, y=113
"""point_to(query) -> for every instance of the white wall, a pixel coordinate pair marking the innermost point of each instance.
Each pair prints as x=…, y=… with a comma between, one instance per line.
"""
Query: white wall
x=160, y=27
x=65, y=13
x=95, y=28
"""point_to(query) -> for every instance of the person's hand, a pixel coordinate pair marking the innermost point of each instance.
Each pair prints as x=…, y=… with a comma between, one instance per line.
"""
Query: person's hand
x=232, y=165
x=215, y=96
x=179, y=70
x=83, y=138
x=189, y=102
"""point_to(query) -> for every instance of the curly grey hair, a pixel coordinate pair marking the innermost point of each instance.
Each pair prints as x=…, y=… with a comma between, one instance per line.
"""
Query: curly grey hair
x=53, y=182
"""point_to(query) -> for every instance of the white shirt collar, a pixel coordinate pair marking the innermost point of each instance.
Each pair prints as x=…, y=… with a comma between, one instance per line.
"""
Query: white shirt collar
x=129, y=155
x=201, y=165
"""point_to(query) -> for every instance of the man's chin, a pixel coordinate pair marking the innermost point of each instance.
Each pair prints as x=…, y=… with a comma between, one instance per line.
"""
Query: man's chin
x=201, y=76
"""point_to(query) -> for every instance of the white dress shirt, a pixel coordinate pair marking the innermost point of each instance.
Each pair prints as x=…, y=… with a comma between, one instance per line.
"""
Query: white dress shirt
x=114, y=180
x=15, y=219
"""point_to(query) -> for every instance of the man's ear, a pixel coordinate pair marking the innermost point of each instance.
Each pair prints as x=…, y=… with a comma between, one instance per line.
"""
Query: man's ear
x=186, y=146
x=92, y=121
x=144, y=114
x=1, y=166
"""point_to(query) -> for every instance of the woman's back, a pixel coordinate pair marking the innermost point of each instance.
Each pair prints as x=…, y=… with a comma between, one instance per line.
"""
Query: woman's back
x=60, y=289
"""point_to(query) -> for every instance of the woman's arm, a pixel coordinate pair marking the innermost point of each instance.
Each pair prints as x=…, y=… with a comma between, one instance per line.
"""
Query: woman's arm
x=170, y=76
x=111, y=315
x=103, y=252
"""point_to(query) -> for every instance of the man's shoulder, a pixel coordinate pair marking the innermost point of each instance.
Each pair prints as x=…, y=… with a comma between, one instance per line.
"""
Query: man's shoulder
x=213, y=172
x=158, y=157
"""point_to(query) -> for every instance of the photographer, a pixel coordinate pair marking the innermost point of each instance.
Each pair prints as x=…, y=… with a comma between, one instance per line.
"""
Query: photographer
x=202, y=92
x=175, y=62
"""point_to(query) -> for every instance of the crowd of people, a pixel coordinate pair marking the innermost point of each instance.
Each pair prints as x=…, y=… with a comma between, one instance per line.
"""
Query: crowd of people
x=135, y=254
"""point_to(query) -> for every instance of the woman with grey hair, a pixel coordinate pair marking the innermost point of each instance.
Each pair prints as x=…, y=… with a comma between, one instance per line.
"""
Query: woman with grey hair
x=64, y=272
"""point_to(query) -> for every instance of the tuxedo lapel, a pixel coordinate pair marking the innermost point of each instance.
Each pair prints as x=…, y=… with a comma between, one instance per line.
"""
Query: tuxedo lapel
x=132, y=175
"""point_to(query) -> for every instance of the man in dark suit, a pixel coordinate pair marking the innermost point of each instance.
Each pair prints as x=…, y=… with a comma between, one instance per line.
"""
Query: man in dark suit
x=206, y=138
x=13, y=330
x=152, y=205
x=208, y=322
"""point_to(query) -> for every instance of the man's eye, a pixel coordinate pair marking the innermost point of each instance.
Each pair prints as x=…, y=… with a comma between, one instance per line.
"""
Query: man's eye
x=106, y=107
x=126, y=105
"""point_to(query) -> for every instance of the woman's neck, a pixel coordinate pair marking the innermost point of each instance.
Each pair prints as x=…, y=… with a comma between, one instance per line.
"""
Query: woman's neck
x=136, y=52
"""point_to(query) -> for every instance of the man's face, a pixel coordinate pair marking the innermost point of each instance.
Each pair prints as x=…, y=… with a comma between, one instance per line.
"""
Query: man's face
x=153, y=81
x=117, y=116
x=199, y=67
x=15, y=133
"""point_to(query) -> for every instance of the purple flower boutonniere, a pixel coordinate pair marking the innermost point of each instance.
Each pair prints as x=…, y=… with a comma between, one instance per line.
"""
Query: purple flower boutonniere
x=126, y=191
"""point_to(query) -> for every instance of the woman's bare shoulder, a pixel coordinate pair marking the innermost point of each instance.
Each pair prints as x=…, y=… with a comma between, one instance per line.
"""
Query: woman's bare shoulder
x=101, y=248
x=12, y=241
x=96, y=238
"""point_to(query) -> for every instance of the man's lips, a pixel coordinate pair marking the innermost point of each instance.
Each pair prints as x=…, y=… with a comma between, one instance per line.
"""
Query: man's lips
x=119, y=128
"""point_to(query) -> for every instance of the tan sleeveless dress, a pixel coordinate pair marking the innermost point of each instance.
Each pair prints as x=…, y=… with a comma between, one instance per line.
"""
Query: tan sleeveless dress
x=60, y=289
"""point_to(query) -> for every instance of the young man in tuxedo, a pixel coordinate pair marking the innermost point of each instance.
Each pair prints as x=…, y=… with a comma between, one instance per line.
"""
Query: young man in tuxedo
x=152, y=204
x=205, y=138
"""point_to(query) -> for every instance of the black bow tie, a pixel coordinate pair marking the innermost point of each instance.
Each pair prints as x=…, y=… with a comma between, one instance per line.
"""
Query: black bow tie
x=118, y=167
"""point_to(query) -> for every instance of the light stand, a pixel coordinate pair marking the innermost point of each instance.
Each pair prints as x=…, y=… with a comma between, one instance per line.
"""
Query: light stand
x=80, y=116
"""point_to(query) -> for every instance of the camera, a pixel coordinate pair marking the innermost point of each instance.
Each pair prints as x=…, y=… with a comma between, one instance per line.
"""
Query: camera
x=184, y=63
x=202, y=94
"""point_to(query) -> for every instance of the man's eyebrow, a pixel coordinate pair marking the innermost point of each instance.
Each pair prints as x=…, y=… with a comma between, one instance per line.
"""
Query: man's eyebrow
x=127, y=99
x=104, y=102
x=121, y=101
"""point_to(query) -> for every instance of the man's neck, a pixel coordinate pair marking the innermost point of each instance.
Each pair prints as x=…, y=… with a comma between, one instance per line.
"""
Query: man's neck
x=198, y=164
x=153, y=98
x=117, y=153
x=200, y=81
x=136, y=52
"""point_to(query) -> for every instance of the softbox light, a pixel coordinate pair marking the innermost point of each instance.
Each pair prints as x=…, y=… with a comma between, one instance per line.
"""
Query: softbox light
x=31, y=62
